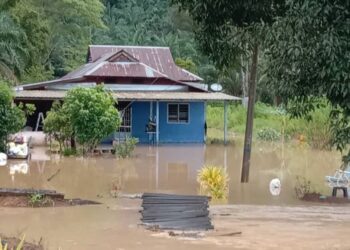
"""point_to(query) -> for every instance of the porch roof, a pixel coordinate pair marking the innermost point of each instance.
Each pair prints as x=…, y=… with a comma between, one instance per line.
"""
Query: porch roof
x=132, y=96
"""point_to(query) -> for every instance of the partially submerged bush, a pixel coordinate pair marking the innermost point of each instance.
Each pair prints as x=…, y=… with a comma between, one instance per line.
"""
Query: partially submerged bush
x=70, y=152
x=213, y=181
x=92, y=115
x=268, y=134
x=126, y=148
x=87, y=115
x=316, y=128
x=302, y=187
x=57, y=125
x=40, y=200
x=12, y=118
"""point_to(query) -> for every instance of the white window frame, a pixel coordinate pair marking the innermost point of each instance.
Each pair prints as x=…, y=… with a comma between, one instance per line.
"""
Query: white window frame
x=178, y=107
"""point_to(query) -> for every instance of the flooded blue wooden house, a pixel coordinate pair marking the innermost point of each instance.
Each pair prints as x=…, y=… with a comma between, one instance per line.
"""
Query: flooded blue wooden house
x=159, y=102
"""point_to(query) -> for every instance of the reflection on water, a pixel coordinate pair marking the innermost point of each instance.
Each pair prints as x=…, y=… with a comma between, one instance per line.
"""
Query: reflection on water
x=19, y=168
x=174, y=169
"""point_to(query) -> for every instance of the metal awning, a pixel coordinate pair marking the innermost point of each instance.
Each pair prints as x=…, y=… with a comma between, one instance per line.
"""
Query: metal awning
x=131, y=96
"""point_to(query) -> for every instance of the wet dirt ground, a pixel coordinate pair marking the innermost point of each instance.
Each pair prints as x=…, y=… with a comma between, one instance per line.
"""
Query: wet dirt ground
x=265, y=221
x=115, y=226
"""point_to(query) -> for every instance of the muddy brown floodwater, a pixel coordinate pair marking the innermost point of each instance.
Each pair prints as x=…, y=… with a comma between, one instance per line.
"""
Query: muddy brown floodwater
x=265, y=221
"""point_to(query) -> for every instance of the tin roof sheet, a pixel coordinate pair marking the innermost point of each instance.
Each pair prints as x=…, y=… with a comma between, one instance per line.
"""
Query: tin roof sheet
x=159, y=58
x=132, y=96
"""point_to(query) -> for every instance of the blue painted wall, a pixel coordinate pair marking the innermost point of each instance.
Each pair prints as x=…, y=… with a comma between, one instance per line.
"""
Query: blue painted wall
x=191, y=132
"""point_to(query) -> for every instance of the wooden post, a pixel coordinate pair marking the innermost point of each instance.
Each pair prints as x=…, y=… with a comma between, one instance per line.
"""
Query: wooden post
x=157, y=123
x=250, y=117
x=225, y=122
x=157, y=167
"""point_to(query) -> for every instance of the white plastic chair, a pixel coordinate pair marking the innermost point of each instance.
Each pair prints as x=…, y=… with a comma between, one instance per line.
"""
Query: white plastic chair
x=340, y=179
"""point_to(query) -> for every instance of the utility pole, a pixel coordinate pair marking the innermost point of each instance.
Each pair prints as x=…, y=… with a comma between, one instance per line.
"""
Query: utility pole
x=250, y=116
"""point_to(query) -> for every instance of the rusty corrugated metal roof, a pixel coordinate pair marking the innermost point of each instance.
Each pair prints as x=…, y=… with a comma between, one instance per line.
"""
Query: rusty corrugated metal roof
x=129, y=62
x=159, y=58
x=132, y=96
x=132, y=69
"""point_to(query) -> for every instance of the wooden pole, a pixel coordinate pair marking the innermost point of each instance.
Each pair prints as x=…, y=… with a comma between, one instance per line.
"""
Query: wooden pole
x=250, y=116
x=157, y=123
x=225, y=122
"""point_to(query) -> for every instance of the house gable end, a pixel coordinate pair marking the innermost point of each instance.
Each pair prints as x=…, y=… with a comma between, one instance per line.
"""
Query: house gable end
x=122, y=56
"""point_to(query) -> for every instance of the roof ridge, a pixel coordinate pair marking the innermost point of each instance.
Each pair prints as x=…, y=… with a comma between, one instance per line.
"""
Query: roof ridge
x=130, y=46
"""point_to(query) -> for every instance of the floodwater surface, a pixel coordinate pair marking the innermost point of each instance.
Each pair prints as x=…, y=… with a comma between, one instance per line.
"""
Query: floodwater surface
x=174, y=169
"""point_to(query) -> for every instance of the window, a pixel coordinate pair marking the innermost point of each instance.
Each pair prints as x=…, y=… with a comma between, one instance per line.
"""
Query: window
x=178, y=113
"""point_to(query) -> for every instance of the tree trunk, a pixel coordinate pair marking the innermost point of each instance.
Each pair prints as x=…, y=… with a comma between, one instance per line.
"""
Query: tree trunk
x=244, y=72
x=250, y=116
x=72, y=143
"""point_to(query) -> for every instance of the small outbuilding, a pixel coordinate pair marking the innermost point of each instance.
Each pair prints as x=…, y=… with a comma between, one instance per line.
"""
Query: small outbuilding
x=159, y=102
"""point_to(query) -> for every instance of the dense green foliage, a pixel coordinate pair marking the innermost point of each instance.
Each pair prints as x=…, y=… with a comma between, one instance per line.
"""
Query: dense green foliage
x=92, y=114
x=309, y=57
x=12, y=50
x=304, y=44
x=46, y=38
x=88, y=115
x=316, y=130
x=57, y=124
x=238, y=24
x=12, y=118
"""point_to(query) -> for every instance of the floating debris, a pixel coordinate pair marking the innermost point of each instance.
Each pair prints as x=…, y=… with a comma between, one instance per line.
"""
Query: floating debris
x=176, y=212
x=275, y=187
x=3, y=159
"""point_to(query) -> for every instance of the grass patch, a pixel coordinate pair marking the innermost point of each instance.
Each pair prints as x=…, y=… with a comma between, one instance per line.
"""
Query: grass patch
x=270, y=123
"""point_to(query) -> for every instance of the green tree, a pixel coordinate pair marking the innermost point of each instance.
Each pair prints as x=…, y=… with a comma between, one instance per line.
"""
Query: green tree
x=309, y=59
x=12, y=118
x=57, y=124
x=37, y=73
x=37, y=30
x=58, y=31
x=13, y=54
x=153, y=23
x=231, y=81
x=92, y=115
x=229, y=30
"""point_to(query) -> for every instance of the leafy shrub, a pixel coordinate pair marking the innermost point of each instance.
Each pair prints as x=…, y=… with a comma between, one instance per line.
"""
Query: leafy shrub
x=12, y=118
x=57, y=125
x=39, y=200
x=69, y=151
x=316, y=129
x=87, y=114
x=268, y=134
x=126, y=149
x=35, y=199
x=213, y=181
